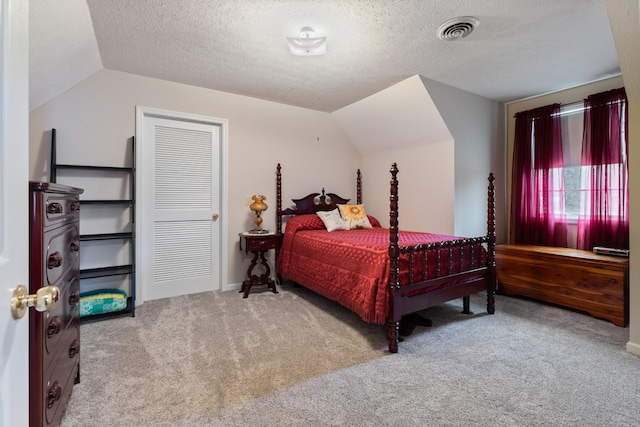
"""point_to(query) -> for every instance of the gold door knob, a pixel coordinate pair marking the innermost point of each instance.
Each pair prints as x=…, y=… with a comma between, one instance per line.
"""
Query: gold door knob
x=44, y=300
x=215, y=216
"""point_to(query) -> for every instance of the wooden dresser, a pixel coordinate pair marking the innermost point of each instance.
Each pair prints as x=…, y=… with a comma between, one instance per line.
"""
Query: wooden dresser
x=54, y=337
x=578, y=279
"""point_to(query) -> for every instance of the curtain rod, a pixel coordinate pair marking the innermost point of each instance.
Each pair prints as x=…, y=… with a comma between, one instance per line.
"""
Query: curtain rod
x=566, y=88
x=574, y=106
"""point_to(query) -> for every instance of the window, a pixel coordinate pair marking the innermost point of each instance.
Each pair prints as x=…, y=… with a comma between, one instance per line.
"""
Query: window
x=572, y=126
x=570, y=165
x=577, y=177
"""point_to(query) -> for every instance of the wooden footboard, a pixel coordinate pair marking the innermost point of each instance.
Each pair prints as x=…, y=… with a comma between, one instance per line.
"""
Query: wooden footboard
x=473, y=276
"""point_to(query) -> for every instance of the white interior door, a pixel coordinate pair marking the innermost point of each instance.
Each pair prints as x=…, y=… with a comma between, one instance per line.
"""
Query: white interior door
x=180, y=197
x=14, y=210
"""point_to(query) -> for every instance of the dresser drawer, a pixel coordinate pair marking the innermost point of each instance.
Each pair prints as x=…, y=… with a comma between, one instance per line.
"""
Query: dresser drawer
x=61, y=252
x=260, y=244
x=60, y=377
x=57, y=323
x=59, y=207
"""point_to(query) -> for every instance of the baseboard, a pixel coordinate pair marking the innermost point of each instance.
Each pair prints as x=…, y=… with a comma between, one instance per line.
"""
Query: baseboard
x=633, y=348
x=232, y=287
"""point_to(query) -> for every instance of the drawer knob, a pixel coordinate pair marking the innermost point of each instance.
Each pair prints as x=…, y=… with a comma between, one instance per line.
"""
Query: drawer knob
x=54, y=208
x=53, y=394
x=74, y=246
x=74, y=206
x=74, y=349
x=55, y=260
x=53, y=327
x=74, y=297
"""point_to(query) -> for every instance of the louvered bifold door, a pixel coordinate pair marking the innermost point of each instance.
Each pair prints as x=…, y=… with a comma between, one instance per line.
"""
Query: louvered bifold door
x=185, y=196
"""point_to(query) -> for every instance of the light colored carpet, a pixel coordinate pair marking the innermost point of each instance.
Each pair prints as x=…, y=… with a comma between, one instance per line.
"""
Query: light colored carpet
x=297, y=359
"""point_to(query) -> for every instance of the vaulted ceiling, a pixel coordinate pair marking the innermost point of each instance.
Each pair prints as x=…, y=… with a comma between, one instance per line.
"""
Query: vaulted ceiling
x=520, y=48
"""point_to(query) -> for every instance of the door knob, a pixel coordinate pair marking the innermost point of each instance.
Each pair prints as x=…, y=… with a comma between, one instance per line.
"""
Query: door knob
x=215, y=216
x=44, y=300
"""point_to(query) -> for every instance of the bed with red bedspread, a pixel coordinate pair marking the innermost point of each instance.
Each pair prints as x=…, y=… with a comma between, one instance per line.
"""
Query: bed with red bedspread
x=382, y=274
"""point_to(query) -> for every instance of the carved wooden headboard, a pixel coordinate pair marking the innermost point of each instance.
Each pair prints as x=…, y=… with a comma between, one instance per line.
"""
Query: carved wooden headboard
x=311, y=203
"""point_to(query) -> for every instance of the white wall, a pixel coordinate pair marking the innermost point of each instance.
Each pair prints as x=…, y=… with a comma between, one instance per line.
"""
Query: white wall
x=402, y=124
x=445, y=141
x=625, y=26
x=634, y=234
x=401, y=116
x=479, y=149
x=95, y=119
x=425, y=190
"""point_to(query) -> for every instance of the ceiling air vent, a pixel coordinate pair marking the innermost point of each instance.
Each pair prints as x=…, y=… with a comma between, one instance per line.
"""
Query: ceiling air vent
x=457, y=28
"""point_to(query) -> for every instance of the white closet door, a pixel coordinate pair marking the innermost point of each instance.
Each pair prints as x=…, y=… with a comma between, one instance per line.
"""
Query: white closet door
x=184, y=242
x=14, y=209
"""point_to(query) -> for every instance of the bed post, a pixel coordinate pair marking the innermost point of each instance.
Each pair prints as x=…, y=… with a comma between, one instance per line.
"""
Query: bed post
x=358, y=189
x=278, y=199
x=491, y=246
x=394, y=282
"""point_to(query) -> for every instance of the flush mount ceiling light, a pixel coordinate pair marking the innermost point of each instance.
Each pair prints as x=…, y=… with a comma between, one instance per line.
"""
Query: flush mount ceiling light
x=457, y=28
x=307, y=44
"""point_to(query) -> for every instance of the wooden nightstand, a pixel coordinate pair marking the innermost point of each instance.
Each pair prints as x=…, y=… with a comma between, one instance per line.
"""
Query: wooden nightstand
x=259, y=245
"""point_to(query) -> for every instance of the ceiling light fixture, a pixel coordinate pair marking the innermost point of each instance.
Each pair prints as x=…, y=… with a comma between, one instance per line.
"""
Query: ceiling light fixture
x=457, y=28
x=307, y=44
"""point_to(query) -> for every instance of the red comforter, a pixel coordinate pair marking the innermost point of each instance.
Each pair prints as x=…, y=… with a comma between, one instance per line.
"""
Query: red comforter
x=350, y=267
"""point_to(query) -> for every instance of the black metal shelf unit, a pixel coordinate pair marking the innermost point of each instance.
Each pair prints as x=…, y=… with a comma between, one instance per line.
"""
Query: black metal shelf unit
x=116, y=270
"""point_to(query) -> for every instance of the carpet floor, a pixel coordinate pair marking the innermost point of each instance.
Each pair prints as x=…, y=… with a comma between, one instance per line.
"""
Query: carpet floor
x=297, y=359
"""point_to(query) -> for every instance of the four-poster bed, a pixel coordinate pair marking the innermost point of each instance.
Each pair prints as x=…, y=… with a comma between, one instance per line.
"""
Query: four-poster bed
x=382, y=274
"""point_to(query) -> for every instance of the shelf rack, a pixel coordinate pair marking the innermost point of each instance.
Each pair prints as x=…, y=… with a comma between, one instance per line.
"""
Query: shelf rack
x=129, y=237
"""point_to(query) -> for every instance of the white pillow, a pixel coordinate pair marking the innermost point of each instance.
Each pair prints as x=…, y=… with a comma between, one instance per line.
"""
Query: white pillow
x=354, y=216
x=332, y=220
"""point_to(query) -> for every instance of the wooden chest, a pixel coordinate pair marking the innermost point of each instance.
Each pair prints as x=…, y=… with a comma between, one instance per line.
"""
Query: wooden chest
x=582, y=280
x=54, y=336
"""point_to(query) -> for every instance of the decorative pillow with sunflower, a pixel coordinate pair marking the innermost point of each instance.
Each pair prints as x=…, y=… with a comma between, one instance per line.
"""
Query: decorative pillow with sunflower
x=354, y=216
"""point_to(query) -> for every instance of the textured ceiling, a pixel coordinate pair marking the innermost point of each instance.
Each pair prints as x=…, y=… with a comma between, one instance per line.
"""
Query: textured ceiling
x=521, y=48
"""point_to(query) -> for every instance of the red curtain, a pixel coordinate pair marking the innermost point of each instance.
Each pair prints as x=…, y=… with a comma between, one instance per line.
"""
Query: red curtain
x=605, y=182
x=537, y=198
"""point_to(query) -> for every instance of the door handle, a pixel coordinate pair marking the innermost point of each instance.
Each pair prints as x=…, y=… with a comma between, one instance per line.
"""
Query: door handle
x=45, y=299
x=215, y=216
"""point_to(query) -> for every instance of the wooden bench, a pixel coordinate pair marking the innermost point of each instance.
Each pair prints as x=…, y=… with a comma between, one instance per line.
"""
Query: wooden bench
x=577, y=279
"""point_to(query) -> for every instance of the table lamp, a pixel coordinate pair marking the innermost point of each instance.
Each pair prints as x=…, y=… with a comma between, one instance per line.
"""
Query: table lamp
x=258, y=206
